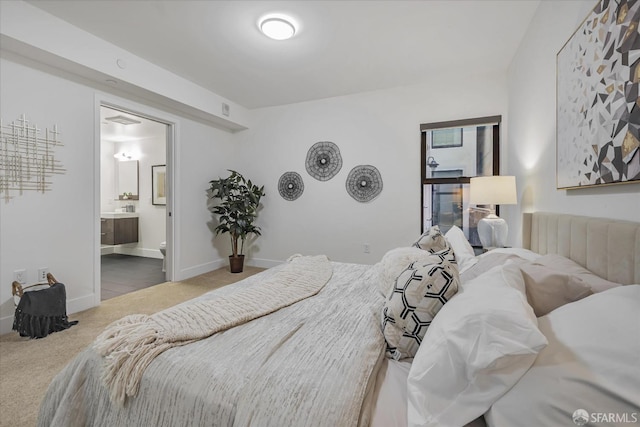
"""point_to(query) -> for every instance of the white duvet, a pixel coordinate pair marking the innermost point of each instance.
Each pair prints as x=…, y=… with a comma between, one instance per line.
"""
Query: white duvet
x=309, y=364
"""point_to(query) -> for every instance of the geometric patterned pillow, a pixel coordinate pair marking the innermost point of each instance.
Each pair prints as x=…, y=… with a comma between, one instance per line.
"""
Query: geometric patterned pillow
x=432, y=240
x=418, y=294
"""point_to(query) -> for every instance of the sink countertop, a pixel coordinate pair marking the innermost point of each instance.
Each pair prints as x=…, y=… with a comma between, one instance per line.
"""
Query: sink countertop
x=118, y=215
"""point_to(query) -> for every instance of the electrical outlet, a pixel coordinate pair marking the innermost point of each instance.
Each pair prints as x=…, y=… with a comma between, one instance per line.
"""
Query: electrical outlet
x=20, y=276
x=366, y=248
x=42, y=274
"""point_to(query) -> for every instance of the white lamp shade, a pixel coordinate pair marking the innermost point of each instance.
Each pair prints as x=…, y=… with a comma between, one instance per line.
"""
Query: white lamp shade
x=493, y=190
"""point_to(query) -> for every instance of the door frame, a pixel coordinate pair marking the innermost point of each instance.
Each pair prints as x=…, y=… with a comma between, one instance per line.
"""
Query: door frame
x=173, y=127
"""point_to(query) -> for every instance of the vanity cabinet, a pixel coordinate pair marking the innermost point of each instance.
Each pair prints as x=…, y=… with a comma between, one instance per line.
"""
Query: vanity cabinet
x=117, y=231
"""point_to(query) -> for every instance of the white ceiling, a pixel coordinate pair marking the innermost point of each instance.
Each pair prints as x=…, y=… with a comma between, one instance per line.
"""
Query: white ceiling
x=342, y=47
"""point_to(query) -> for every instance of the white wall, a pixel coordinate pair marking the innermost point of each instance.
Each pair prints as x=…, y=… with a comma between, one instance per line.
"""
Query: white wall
x=206, y=154
x=532, y=126
x=379, y=128
x=54, y=229
x=58, y=229
x=107, y=177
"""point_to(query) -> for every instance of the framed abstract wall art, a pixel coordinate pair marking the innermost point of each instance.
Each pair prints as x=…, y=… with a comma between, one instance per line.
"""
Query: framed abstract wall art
x=598, y=109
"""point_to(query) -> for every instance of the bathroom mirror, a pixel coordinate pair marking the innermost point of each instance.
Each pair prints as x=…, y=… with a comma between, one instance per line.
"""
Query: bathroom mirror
x=127, y=180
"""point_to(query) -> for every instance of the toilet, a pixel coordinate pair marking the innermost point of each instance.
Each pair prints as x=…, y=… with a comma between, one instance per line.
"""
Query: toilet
x=163, y=250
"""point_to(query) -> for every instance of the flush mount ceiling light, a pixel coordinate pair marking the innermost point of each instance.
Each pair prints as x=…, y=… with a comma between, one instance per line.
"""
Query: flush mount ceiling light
x=277, y=27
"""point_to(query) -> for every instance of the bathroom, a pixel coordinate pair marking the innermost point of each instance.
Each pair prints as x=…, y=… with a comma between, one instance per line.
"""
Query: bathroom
x=132, y=201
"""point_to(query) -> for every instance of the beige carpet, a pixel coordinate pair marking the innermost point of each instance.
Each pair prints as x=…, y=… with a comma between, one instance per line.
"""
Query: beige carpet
x=27, y=366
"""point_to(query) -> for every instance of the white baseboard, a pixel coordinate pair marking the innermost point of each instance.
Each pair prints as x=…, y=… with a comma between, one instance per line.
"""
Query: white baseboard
x=142, y=252
x=6, y=323
x=80, y=304
x=73, y=306
x=106, y=250
x=199, y=269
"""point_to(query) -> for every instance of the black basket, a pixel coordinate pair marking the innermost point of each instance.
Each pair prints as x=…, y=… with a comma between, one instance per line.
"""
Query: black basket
x=42, y=311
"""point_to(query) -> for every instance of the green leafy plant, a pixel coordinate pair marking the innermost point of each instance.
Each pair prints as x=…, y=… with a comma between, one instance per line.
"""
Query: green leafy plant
x=237, y=208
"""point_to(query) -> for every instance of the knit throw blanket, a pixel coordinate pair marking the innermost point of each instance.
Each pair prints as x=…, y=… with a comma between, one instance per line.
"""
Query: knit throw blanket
x=130, y=344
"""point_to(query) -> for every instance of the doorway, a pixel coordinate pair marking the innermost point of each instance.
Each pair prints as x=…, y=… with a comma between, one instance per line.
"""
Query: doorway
x=134, y=198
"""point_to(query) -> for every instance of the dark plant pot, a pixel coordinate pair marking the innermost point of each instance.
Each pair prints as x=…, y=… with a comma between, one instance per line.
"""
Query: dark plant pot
x=236, y=263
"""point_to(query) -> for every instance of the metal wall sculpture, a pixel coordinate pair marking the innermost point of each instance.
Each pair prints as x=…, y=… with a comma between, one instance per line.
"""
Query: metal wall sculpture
x=364, y=183
x=598, y=115
x=323, y=160
x=290, y=186
x=27, y=158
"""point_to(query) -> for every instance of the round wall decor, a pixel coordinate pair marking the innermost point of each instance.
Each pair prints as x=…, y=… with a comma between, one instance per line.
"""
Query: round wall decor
x=290, y=185
x=364, y=183
x=323, y=160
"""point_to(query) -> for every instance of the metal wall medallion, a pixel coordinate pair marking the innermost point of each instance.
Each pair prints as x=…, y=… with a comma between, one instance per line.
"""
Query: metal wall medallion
x=323, y=160
x=364, y=183
x=290, y=185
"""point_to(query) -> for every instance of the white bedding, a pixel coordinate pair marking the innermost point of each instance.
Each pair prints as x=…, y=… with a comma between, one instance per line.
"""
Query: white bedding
x=309, y=364
x=390, y=407
x=246, y=374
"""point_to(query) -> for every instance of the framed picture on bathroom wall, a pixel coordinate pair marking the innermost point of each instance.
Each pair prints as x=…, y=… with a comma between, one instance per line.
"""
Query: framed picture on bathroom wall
x=159, y=185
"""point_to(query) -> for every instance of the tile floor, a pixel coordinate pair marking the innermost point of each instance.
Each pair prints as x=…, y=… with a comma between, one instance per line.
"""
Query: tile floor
x=122, y=274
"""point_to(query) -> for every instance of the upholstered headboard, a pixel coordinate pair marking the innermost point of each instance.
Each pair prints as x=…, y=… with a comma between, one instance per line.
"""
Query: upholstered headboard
x=609, y=248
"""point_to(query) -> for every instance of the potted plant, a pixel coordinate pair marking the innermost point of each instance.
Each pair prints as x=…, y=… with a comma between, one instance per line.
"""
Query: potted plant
x=237, y=208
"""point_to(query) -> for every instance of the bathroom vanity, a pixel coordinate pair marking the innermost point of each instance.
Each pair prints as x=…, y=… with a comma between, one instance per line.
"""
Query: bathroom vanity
x=117, y=228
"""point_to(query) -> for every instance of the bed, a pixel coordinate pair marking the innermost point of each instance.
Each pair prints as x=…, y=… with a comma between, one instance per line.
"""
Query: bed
x=486, y=356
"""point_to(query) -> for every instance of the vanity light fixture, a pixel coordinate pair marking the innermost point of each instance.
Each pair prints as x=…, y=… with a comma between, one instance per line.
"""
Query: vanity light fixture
x=277, y=27
x=123, y=156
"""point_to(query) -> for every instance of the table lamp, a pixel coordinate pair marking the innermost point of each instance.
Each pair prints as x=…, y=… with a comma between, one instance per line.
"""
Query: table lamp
x=493, y=190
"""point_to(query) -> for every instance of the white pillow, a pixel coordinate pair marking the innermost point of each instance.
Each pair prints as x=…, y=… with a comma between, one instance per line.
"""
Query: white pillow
x=395, y=262
x=486, y=262
x=560, y=263
x=478, y=346
x=548, y=289
x=465, y=256
x=591, y=363
x=432, y=240
x=521, y=252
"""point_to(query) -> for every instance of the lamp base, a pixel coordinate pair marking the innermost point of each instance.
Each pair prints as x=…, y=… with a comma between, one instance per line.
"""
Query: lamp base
x=493, y=231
